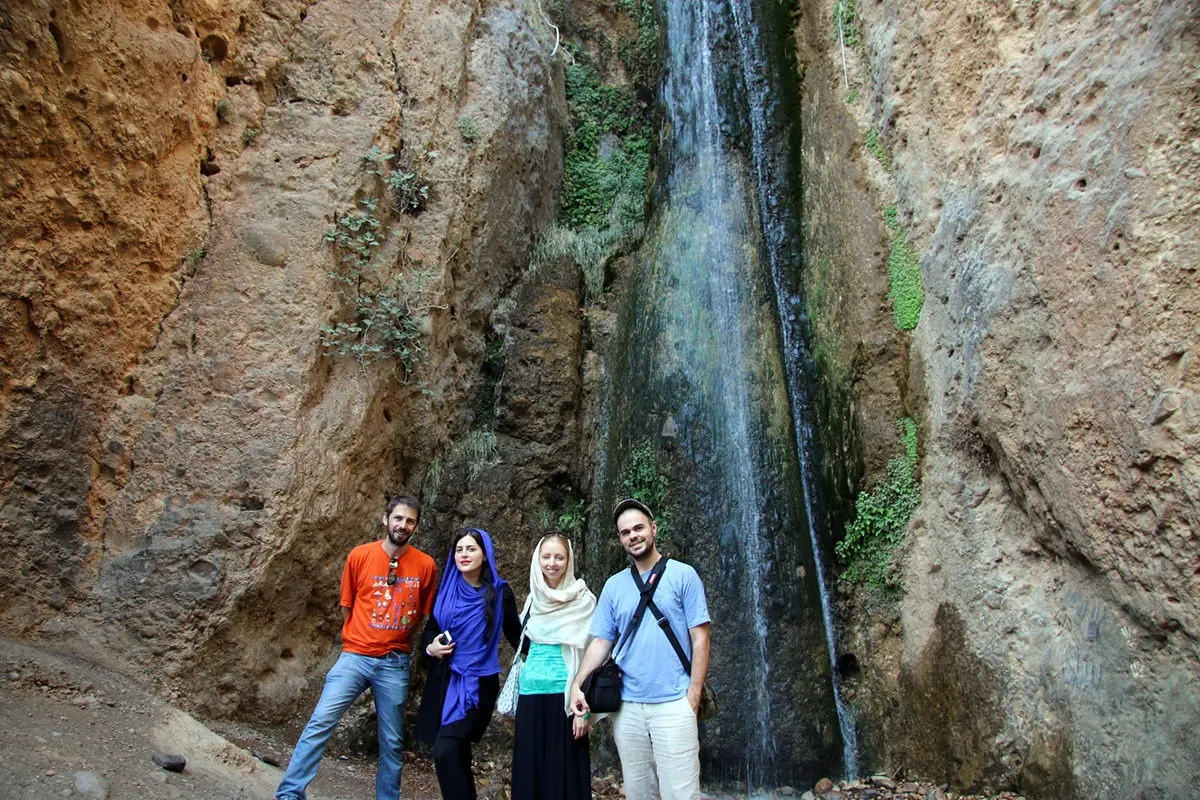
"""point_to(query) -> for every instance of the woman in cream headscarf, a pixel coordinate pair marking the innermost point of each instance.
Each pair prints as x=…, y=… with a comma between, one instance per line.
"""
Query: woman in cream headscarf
x=550, y=747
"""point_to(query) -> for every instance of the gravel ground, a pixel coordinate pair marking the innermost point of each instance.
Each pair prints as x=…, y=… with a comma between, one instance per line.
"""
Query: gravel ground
x=71, y=728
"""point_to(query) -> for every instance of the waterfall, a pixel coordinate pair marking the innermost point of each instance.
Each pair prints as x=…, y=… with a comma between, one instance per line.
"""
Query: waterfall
x=703, y=371
x=781, y=233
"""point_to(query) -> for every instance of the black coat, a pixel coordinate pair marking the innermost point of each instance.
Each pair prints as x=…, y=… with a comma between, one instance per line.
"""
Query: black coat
x=429, y=714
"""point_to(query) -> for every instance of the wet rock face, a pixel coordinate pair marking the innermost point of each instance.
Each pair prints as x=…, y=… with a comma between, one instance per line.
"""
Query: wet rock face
x=183, y=465
x=1044, y=164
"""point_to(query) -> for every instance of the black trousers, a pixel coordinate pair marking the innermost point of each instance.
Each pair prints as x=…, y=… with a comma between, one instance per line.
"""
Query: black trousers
x=452, y=747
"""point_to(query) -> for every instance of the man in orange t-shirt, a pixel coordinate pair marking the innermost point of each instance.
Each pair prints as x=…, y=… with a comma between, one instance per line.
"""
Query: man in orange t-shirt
x=387, y=590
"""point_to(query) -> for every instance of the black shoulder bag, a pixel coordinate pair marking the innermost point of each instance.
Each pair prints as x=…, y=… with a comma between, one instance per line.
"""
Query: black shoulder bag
x=708, y=698
x=602, y=689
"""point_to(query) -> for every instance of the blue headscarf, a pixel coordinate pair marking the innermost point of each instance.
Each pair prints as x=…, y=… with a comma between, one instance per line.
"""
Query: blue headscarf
x=460, y=609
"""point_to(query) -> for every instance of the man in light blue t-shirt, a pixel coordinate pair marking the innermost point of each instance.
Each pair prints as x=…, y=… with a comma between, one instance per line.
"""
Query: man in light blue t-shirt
x=655, y=730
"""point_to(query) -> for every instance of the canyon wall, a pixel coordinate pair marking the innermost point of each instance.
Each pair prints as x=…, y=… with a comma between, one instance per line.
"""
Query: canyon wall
x=1042, y=159
x=184, y=464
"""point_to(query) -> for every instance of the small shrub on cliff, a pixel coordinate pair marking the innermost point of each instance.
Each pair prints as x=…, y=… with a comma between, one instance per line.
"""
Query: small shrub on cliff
x=644, y=481
x=868, y=550
x=845, y=21
x=468, y=129
x=904, y=275
x=387, y=319
x=875, y=148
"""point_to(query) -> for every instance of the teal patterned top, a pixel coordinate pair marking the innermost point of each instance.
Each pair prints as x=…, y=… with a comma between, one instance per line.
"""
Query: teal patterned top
x=544, y=672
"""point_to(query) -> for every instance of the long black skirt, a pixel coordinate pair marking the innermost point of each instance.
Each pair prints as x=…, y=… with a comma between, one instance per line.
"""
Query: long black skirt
x=548, y=763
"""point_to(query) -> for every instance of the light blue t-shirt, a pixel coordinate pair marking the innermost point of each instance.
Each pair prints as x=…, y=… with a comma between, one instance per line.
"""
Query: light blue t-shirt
x=652, y=670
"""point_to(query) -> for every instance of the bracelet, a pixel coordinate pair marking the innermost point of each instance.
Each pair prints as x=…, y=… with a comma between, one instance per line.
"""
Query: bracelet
x=587, y=715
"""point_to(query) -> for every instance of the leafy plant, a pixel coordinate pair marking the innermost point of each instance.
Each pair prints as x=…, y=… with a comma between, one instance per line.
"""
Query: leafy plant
x=224, y=109
x=869, y=547
x=851, y=97
x=641, y=56
x=875, y=148
x=904, y=275
x=388, y=311
x=468, y=129
x=249, y=135
x=645, y=482
x=402, y=176
x=387, y=320
x=593, y=180
x=573, y=518
x=845, y=20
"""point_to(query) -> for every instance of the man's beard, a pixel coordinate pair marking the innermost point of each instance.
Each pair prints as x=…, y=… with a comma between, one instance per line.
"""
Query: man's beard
x=399, y=539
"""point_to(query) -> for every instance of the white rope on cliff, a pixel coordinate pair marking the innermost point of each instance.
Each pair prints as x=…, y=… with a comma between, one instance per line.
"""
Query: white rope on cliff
x=557, y=38
x=842, y=36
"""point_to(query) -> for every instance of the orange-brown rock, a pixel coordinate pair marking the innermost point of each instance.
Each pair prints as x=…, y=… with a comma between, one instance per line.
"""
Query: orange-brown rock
x=184, y=468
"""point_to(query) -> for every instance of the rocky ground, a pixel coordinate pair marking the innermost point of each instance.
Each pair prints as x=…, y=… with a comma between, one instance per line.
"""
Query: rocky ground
x=72, y=728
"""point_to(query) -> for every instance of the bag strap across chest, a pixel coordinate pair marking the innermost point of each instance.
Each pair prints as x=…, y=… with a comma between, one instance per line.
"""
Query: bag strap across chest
x=663, y=623
x=646, y=594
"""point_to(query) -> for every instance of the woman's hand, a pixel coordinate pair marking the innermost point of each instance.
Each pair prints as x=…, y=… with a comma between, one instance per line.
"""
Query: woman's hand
x=439, y=650
x=580, y=725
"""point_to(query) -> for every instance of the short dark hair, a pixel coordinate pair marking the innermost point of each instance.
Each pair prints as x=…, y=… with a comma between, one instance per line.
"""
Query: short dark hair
x=404, y=500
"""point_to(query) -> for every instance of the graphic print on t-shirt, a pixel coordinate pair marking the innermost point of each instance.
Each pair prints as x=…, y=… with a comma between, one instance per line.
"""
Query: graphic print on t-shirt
x=395, y=607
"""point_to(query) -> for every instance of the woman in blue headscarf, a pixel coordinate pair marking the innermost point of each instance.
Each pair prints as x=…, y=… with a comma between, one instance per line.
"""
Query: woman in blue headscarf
x=474, y=606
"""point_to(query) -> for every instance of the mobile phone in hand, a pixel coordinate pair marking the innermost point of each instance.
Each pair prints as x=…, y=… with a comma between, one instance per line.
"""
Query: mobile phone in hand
x=444, y=638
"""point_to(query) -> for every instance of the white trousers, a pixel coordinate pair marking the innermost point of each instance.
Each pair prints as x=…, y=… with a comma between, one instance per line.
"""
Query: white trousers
x=659, y=749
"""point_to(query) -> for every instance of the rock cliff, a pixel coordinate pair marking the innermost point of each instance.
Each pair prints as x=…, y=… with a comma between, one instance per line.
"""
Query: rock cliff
x=1042, y=159
x=184, y=464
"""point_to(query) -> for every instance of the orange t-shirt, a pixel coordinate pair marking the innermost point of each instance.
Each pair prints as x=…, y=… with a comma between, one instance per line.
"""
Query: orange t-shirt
x=383, y=618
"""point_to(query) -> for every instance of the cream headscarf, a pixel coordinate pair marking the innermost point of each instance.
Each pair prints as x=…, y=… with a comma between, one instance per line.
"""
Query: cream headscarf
x=559, y=616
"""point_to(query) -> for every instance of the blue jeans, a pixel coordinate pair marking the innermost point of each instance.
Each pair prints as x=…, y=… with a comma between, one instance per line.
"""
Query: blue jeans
x=350, y=676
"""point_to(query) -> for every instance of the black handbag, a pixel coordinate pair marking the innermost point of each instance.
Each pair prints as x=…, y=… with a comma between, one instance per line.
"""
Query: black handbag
x=602, y=689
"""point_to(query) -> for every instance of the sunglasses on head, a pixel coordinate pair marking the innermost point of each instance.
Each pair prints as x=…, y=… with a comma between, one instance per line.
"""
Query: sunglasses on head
x=391, y=578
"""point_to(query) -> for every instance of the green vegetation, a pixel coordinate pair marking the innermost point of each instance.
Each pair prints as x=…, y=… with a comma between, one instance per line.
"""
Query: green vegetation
x=643, y=481
x=388, y=310
x=492, y=371
x=468, y=129
x=851, y=96
x=401, y=175
x=588, y=247
x=640, y=57
x=608, y=154
x=194, y=257
x=876, y=148
x=904, y=275
x=573, y=519
x=225, y=109
x=881, y=519
x=249, y=135
x=845, y=20
x=476, y=450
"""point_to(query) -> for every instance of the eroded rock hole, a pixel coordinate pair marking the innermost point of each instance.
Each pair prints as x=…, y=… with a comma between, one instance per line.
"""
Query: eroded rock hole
x=59, y=41
x=214, y=48
x=848, y=666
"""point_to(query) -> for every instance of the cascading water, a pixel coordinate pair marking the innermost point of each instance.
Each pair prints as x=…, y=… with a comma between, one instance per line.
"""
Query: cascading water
x=702, y=373
x=770, y=158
